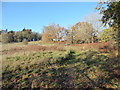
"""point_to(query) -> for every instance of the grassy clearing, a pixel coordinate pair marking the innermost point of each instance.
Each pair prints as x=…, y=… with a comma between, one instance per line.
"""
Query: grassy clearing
x=40, y=43
x=60, y=69
x=10, y=46
x=29, y=59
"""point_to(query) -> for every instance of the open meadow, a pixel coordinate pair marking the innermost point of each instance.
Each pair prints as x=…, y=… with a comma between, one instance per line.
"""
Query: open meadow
x=45, y=65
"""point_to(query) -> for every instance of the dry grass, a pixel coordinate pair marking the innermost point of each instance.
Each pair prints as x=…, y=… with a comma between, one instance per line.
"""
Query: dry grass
x=49, y=66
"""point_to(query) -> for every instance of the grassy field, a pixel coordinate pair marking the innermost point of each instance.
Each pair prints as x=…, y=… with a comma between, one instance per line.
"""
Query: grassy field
x=45, y=65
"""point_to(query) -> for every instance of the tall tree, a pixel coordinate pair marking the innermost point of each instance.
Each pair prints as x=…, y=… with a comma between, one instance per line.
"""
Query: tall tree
x=82, y=32
x=94, y=20
x=111, y=14
x=48, y=32
x=54, y=32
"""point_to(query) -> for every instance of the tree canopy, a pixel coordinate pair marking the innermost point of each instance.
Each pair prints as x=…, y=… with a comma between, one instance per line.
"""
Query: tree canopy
x=54, y=32
x=111, y=15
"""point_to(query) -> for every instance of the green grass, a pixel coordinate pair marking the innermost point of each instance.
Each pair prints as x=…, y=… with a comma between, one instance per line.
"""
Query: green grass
x=60, y=69
x=9, y=46
x=40, y=43
x=31, y=58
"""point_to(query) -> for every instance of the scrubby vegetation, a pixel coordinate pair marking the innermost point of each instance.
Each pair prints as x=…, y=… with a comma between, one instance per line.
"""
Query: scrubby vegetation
x=63, y=68
x=19, y=36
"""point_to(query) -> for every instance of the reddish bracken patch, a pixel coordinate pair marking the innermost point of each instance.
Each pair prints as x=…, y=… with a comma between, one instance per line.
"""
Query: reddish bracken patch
x=92, y=44
x=101, y=47
x=31, y=48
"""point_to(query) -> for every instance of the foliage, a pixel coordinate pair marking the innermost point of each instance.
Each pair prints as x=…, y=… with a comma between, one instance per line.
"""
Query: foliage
x=107, y=35
x=4, y=38
x=54, y=32
x=19, y=36
x=110, y=10
x=94, y=20
x=8, y=37
x=82, y=32
x=111, y=14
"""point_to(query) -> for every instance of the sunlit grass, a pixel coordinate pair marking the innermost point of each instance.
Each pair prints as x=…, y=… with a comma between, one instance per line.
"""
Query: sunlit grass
x=69, y=66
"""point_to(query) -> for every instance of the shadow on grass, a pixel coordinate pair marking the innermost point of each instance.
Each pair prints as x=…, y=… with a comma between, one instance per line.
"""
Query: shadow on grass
x=74, y=70
x=106, y=66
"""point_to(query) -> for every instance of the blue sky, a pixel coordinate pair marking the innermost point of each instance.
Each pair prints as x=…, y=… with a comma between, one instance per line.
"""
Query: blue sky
x=35, y=15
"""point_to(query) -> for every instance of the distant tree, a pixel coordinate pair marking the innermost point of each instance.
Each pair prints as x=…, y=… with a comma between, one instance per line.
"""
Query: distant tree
x=61, y=33
x=82, y=32
x=18, y=36
x=49, y=32
x=69, y=36
x=24, y=34
x=35, y=36
x=5, y=38
x=39, y=36
x=47, y=36
x=8, y=37
x=54, y=32
x=94, y=20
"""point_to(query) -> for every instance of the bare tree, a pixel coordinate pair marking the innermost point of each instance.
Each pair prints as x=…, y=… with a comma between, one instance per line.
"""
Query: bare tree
x=94, y=20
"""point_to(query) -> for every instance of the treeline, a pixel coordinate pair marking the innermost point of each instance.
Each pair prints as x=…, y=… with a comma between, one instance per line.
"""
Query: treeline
x=81, y=32
x=19, y=36
x=89, y=31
